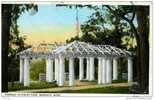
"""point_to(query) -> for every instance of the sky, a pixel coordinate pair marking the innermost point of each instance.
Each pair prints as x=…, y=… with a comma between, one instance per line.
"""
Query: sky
x=51, y=24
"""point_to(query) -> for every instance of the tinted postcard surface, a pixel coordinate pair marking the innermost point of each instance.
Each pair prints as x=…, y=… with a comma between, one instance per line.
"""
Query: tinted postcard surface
x=76, y=48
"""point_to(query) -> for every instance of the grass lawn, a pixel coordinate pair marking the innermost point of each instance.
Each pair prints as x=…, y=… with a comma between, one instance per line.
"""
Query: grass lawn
x=33, y=85
x=112, y=90
x=42, y=85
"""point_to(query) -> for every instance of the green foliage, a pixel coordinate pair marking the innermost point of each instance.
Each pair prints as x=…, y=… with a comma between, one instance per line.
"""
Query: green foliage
x=104, y=27
x=34, y=85
x=16, y=41
x=122, y=67
x=99, y=29
x=119, y=81
x=72, y=39
x=37, y=67
x=129, y=42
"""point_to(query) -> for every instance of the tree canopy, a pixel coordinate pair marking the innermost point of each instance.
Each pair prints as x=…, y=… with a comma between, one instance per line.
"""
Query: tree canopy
x=12, y=42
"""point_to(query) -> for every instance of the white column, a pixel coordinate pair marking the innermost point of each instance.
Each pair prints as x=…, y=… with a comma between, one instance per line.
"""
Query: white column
x=92, y=70
x=56, y=69
x=130, y=69
x=99, y=70
x=109, y=70
x=71, y=72
x=50, y=70
x=61, y=71
x=47, y=67
x=21, y=70
x=103, y=70
x=26, y=72
x=88, y=69
x=115, y=69
x=81, y=69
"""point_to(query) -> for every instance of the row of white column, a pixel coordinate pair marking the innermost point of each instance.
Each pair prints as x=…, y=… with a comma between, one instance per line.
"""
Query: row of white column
x=90, y=70
x=61, y=70
x=108, y=70
x=104, y=70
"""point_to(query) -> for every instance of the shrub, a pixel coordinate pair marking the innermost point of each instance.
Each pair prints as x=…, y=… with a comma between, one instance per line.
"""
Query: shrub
x=36, y=67
x=119, y=81
x=33, y=85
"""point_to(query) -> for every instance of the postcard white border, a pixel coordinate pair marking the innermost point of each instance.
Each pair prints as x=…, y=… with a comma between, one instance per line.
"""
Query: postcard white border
x=109, y=2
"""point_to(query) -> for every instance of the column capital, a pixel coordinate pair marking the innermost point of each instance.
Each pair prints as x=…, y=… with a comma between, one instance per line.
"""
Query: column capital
x=61, y=57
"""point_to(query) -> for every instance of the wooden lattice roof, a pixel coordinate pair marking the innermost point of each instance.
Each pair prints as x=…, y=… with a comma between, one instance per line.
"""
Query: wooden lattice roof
x=74, y=49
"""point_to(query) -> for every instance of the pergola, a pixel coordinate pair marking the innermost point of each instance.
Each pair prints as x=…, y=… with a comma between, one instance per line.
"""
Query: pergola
x=107, y=62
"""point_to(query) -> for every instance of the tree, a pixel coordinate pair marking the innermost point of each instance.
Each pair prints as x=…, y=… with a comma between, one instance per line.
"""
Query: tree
x=141, y=33
x=104, y=30
x=10, y=35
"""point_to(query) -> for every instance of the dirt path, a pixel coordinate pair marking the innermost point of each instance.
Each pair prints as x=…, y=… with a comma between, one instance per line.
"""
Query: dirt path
x=79, y=86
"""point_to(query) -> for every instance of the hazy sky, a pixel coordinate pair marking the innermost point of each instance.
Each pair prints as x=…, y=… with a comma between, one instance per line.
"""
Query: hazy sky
x=51, y=23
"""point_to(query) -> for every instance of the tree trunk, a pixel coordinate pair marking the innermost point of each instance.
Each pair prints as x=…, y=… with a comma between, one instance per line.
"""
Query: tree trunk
x=144, y=66
x=6, y=22
x=143, y=51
